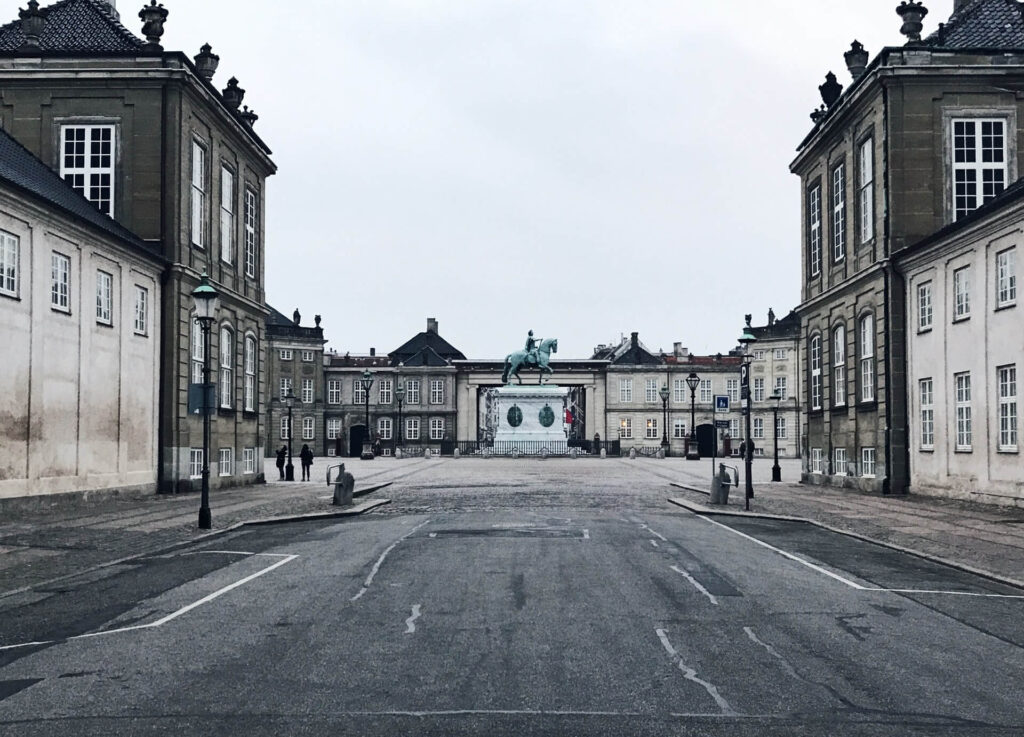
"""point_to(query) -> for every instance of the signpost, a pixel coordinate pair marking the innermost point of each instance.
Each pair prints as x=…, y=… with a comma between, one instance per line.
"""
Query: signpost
x=721, y=404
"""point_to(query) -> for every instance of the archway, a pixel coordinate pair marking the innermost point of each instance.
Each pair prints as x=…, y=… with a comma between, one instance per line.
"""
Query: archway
x=706, y=440
x=357, y=435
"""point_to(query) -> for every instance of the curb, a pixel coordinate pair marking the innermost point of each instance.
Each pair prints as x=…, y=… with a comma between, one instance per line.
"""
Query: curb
x=704, y=510
x=349, y=512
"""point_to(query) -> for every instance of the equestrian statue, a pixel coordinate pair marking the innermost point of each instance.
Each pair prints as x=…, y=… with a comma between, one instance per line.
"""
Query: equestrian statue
x=535, y=354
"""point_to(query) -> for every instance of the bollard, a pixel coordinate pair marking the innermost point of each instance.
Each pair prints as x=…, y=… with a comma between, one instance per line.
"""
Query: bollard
x=661, y=452
x=456, y=453
x=604, y=453
x=398, y=454
x=632, y=454
x=720, y=484
x=343, y=486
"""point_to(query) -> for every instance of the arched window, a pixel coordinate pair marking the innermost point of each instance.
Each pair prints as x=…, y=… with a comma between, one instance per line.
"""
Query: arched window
x=814, y=351
x=839, y=365
x=198, y=352
x=250, y=373
x=227, y=376
x=867, y=358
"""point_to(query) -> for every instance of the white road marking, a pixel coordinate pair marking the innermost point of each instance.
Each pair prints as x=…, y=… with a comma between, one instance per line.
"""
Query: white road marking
x=696, y=584
x=785, y=663
x=236, y=552
x=380, y=560
x=653, y=532
x=285, y=558
x=653, y=542
x=432, y=534
x=691, y=675
x=947, y=593
x=586, y=534
x=410, y=623
x=785, y=554
x=510, y=525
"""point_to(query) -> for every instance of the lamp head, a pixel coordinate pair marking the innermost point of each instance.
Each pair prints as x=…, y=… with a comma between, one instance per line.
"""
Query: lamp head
x=206, y=300
x=692, y=381
x=663, y=392
x=366, y=380
x=400, y=391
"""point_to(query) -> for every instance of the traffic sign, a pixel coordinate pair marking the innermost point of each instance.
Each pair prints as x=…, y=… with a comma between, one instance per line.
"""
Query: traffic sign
x=722, y=424
x=721, y=403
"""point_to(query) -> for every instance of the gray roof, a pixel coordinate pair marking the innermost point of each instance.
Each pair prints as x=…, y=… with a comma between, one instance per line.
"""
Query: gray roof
x=21, y=169
x=77, y=26
x=982, y=24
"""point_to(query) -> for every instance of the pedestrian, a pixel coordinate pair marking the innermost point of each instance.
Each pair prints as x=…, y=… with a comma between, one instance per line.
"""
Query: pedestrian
x=306, y=456
x=377, y=450
x=281, y=455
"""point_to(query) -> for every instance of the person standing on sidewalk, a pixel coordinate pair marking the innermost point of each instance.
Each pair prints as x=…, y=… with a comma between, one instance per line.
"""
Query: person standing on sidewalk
x=281, y=455
x=306, y=456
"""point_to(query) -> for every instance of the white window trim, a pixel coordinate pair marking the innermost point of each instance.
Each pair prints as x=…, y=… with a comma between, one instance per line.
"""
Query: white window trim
x=977, y=166
x=814, y=351
x=251, y=245
x=814, y=229
x=227, y=215
x=1007, y=408
x=925, y=307
x=195, y=463
x=926, y=403
x=961, y=293
x=1006, y=295
x=866, y=189
x=839, y=386
x=141, y=321
x=868, y=373
x=839, y=212
x=248, y=461
x=10, y=268
x=87, y=171
x=308, y=428
x=963, y=413
x=60, y=282
x=197, y=189
x=104, y=297
x=229, y=454
x=437, y=428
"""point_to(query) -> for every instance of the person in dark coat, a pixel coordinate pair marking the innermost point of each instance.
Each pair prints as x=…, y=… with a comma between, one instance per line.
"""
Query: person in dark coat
x=306, y=456
x=281, y=456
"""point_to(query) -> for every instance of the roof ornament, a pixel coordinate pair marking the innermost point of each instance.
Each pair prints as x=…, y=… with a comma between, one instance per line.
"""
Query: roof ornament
x=206, y=62
x=818, y=114
x=830, y=90
x=912, y=12
x=33, y=21
x=233, y=94
x=856, y=59
x=153, y=17
x=248, y=116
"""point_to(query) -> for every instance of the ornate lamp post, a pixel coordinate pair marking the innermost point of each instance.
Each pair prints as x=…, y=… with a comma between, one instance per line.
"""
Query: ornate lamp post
x=289, y=469
x=207, y=302
x=400, y=396
x=692, y=451
x=776, y=470
x=748, y=453
x=664, y=411
x=367, y=381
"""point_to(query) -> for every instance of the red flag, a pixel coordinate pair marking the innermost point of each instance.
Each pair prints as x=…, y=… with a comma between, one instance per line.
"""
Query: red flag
x=568, y=417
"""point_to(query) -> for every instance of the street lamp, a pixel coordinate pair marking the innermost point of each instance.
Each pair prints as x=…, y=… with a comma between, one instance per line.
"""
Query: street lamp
x=776, y=471
x=748, y=454
x=289, y=469
x=367, y=382
x=692, y=451
x=400, y=395
x=664, y=411
x=207, y=302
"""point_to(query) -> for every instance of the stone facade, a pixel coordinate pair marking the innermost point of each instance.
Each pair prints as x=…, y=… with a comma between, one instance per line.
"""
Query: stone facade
x=295, y=365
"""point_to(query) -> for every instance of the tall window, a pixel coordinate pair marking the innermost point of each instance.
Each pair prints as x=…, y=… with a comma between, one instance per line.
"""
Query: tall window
x=60, y=282
x=385, y=391
x=839, y=213
x=412, y=391
x=227, y=216
x=780, y=427
x=866, y=190
x=286, y=427
x=735, y=429
x=333, y=428
x=1006, y=278
x=867, y=358
x=195, y=463
x=652, y=428
x=334, y=391
x=962, y=384
x=87, y=163
x=979, y=163
x=104, y=297
x=867, y=461
x=358, y=393
x=286, y=354
x=249, y=460
x=437, y=428
x=814, y=229
x=839, y=366
x=198, y=194
x=141, y=310
x=437, y=391
x=308, y=424
x=962, y=293
x=839, y=455
x=757, y=430
x=780, y=354
x=679, y=429
x=307, y=391
x=924, y=306
x=705, y=391
x=651, y=390
x=9, y=247
x=927, y=397
x=782, y=387
x=251, y=210
x=679, y=393
x=286, y=387
x=250, y=374
x=227, y=461
x=816, y=460
x=626, y=427
x=815, y=354
x=198, y=352
x=308, y=356
x=732, y=388
x=625, y=390
x=384, y=428
x=227, y=353
x=412, y=428
x=759, y=389
x=1007, y=380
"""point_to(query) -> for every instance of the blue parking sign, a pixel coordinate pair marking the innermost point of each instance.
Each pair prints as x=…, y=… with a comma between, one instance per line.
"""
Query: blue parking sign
x=721, y=403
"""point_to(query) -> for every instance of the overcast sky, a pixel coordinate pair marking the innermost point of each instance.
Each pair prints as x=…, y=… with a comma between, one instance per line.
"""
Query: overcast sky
x=583, y=169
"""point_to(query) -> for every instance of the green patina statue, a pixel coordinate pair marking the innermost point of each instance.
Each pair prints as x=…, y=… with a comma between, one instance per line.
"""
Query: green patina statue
x=533, y=355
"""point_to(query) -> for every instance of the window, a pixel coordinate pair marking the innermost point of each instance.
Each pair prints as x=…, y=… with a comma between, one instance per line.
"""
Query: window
x=924, y=306
x=759, y=355
x=758, y=428
x=866, y=190
x=286, y=427
x=652, y=429
x=384, y=428
x=839, y=213
x=227, y=216
x=679, y=429
x=412, y=428
x=867, y=358
x=979, y=163
x=248, y=461
x=625, y=390
x=227, y=461
x=626, y=427
x=333, y=391
x=782, y=387
x=195, y=463
x=307, y=391
x=780, y=428
x=927, y=398
x=839, y=457
x=437, y=391
x=1007, y=380
x=358, y=393
x=732, y=387
x=250, y=374
x=815, y=354
x=198, y=352
x=1006, y=278
x=251, y=208
x=9, y=247
x=227, y=353
x=814, y=229
x=679, y=390
x=839, y=366
x=308, y=424
x=436, y=428
x=333, y=429
x=735, y=429
x=780, y=354
x=286, y=354
x=412, y=391
x=307, y=356
x=651, y=390
x=198, y=194
x=759, y=389
x=286, y=387
x=816, y=460
x=962, y=293
x=385, y=391
x=141, y=310
x=87, y=163
x=705, y=391
x=104, y=297
x=867, y=461
x=60, y=282
x=962, y=384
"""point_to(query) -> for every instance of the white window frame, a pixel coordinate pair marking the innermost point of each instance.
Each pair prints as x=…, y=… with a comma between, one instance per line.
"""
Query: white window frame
x=925, y=309
x=782, y=387
x=759, y=354
x=437, y=391
x=198, y=194
x=626, y=427
x=384, y=428
x=385, y=391
x=286, y=354
x=437, y=428
x=963, y=417
x=195, y=463
x=868, y=461
x=961, y=293
x=198, y=351
x=85, y=175
x=651, y=432
x=1006, y=278
x=814, y=229
x=926, y=401
x=308, y=428
x=308, y=356
x=412, y=391
x=814, y=353
x=679, y=390
x=839, y=461
x=1006, y=387
x=358, y=392
x=781, y=430
x=706, y=390
x=732, y=388
x=334, y=391
x=412, y=428
x=227, y=215
x=227, y=367
x=866, y=189
x=250, y=216
x=286, y=428
x=10, y=268
x=839, y=212
x=969, y=168
x=780, y=354
x=867, y=357
x=141, y=323
x=759, y=389
x=651, y=390
x=285, y=387
x=816, y=460
x=735, y=428
x=679, y=429
x=104, y=297
x=839, y=366
x=226, y=462
x=60, y=282
x=248, y=461
x=250, y=374
x=333, y=428
x=625, y=391
x=307, y=391
x=757, y=428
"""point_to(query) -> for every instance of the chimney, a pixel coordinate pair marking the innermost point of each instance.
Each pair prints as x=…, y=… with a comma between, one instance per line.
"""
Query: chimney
x=634, y=339
x=432, y=325
x=373, y=352
x=296, y=317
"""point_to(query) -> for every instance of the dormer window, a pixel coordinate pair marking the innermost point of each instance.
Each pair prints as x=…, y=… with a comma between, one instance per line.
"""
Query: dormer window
x=87, y=163
x=979, y=162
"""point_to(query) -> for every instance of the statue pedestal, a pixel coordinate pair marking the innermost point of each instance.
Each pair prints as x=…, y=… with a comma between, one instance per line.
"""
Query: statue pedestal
x=531, y=419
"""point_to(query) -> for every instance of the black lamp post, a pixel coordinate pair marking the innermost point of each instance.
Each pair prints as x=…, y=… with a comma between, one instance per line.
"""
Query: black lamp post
x=776, y=470
x=400, y=395
x=664, y=411
x=692, y=451
x=367, y=382
x=289, y=469
x=207, y=301
x=748, y=454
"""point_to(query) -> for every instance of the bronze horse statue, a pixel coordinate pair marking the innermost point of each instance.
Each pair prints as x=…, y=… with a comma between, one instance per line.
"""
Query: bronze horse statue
x=520, y=359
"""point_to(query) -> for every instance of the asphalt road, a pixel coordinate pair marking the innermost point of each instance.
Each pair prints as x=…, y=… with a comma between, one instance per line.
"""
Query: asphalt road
x=536, y=605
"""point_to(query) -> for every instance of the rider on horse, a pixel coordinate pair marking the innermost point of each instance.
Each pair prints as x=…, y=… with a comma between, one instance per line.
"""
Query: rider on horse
x=531, y=349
